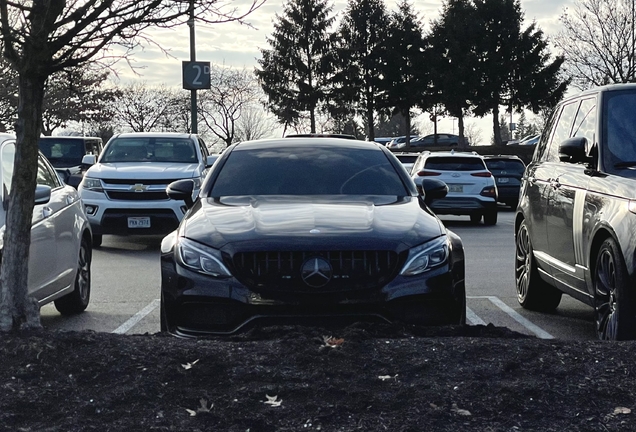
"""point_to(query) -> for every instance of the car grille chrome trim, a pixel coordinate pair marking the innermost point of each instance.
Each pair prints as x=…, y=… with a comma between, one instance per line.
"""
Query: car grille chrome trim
x=281, y=271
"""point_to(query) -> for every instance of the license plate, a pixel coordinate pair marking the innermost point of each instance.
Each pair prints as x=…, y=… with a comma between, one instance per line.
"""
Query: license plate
x=456, y=188
x=139, y=222
x=503, y=180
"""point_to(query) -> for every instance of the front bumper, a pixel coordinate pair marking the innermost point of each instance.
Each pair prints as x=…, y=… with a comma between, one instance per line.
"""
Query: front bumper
x=194, y=304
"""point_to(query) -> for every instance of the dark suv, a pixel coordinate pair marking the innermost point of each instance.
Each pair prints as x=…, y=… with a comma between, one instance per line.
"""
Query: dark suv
x=66, y=152
x=576, y=220
x=507, y=171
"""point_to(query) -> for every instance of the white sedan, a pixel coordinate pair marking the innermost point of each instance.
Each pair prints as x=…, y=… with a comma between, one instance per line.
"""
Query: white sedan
x=60, y=251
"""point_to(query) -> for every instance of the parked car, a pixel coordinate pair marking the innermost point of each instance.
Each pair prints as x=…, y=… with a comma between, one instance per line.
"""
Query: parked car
x=397, y=142
x=407, y=159
x=472, y=189
x=316, y=227
x=66, y=152
x=443, y=139
x=533, y=140
x=60, y=250
x=508, y=171
x=124, y=191
x=576, y=218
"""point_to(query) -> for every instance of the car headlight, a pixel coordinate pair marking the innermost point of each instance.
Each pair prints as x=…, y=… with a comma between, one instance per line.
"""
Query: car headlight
x=197, y=182
x=92, y=184
x=426, y=257
x=200, y=258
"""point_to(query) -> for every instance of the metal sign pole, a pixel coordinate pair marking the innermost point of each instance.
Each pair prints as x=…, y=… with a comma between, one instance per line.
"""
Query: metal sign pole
x=193, y=57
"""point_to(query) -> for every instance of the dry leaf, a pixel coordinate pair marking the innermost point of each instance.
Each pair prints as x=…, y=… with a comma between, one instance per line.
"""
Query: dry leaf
x=189, y=365
x=204, y=406
x=460, y=411
x=622, y=410
x=192, y=412
x=332, y=342
x=386, y=377
x=273, y=400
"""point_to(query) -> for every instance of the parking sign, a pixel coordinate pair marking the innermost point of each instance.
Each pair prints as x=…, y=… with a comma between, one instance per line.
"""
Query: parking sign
x=196, y=75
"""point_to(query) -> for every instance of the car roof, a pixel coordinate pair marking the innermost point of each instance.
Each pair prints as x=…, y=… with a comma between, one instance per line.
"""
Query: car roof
x=306, y=141
x=451, y=153
x=154, y=135
x=502, y=157
x=69, y=137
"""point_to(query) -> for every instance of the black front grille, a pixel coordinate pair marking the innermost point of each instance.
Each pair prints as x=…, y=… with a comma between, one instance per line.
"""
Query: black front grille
x=137, y=196
x=282, y=271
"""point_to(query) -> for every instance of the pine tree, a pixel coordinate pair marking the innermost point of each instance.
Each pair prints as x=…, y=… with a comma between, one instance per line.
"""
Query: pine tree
x=295, y=73
x=405, y=77
x=361, y=38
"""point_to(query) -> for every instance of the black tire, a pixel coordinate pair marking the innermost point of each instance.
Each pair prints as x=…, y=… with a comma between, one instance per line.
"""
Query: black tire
x=475, y=218
x=613, y=297
x=97, y=240
x=532, y=292
x=490, y=217
x=77, y=301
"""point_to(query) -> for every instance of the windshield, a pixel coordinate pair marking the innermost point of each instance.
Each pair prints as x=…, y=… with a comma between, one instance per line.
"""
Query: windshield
x=148, y=149
x=63, y=152
x=619, y=130
x=308, y=171
x=454, y=163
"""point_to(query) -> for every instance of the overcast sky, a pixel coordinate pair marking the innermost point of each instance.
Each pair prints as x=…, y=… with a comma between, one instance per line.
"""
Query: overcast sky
x=238, y=46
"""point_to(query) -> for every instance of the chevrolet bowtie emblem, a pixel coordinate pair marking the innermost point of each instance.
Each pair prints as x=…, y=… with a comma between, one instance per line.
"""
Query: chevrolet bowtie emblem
x=139, y=187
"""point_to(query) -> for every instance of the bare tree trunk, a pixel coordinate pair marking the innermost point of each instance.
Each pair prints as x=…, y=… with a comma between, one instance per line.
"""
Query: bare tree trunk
x=17, y=308
x=371, y=134
x=407, y=122
x=495, y=127
x=460, y=125
x=312, y=120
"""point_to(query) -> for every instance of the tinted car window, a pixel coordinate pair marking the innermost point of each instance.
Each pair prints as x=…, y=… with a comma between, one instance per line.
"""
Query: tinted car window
x=509, y=165
x=308, y=171
x=619, y=130
x=454, y=163
x=407, y=158
x=63, y=152
x=585, y=122
x=562, y=129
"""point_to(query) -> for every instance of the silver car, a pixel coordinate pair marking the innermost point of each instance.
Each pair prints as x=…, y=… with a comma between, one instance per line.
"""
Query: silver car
x=60, y=251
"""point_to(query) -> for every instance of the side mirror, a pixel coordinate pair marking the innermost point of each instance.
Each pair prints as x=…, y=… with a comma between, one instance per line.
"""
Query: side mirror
x=89, y=159
x=433, y=189
x=574, y=150
x=42, y=194
x=181, y=190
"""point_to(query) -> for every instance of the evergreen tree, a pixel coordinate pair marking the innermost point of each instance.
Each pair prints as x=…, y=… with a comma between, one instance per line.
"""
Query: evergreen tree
x=515, y=68
x=405, y=77
x=454, y=60
x=296, y=71
x=362, y=39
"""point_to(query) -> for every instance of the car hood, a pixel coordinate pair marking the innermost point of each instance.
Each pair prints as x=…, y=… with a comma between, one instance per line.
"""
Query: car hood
x=297, y=223
x=145, y=170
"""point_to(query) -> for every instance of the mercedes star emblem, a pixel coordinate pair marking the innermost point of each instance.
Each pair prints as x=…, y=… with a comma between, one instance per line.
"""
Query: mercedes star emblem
x=316, y=272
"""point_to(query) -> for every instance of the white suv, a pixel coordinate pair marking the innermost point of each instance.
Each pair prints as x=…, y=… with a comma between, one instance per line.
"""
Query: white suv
x=124, y=191
x=471, y=187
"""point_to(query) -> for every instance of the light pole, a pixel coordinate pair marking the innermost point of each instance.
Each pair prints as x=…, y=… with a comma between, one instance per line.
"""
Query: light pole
x=193, y=57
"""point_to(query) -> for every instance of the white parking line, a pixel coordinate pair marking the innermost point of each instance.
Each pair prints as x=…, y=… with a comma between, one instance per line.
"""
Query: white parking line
x=538, y=331
x=137, y=317
x=472, y=317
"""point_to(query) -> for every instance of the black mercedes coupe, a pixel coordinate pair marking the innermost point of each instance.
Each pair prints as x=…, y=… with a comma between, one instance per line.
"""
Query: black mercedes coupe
x=304, y=230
